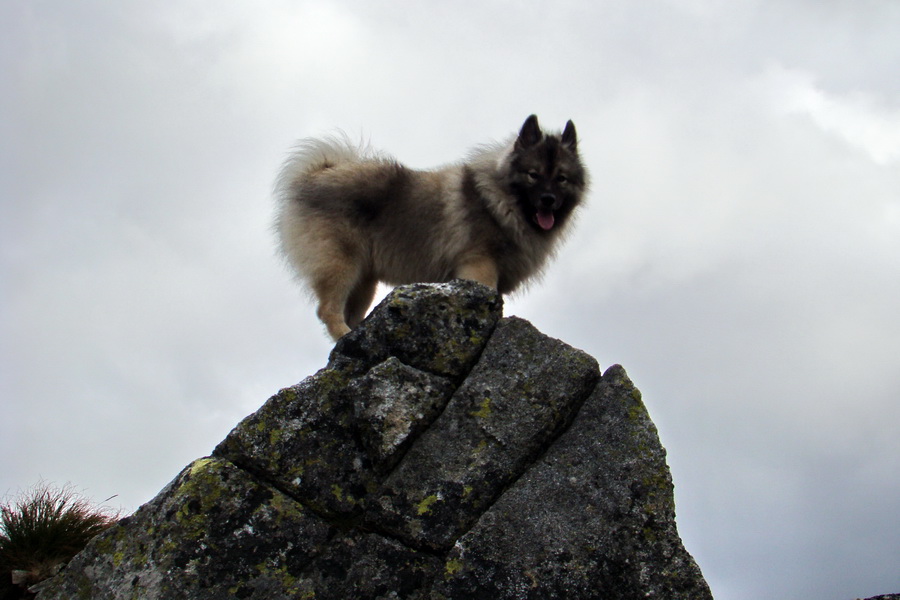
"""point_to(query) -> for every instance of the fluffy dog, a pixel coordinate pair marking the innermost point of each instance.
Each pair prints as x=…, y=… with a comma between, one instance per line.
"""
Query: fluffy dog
x=349, y=217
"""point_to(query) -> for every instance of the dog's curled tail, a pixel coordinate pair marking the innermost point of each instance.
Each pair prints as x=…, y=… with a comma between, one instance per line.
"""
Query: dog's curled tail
x=312, y=155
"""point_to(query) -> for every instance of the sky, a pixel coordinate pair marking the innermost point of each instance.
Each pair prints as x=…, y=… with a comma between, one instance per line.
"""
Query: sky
x=739, y=253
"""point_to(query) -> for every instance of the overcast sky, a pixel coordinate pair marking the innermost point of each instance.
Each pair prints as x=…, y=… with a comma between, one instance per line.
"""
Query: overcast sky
x=740, y=254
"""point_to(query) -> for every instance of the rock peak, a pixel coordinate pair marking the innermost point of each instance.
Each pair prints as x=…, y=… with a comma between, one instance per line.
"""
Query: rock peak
x=444, y=452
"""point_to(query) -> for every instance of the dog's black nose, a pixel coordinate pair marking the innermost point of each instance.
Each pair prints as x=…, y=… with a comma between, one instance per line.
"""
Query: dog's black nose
x=548, y=200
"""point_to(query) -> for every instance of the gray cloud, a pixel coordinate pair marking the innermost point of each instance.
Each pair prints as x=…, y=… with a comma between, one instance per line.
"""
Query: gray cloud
x=740, y=257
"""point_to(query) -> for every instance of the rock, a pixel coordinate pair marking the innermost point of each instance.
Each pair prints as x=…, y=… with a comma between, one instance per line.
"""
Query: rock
x=594, y=517
x=443, y=453
x=392, y=405
x=522, y=392
x=437, y=328
x=213, y=532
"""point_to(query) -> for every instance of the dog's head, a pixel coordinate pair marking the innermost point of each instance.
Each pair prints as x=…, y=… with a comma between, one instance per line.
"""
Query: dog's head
x=547, y=176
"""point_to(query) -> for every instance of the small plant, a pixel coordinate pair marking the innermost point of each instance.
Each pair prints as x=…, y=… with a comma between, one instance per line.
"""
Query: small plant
x=40, y=531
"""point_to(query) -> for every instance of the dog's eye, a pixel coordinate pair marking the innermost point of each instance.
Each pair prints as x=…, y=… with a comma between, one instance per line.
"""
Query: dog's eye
x=561, y=178
x=533, y=175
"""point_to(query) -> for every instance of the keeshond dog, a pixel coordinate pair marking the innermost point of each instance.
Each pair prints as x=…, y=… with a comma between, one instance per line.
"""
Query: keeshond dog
x=349, y=217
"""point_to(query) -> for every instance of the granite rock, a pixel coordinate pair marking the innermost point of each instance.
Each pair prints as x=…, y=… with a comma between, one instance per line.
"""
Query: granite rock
x=442, y=453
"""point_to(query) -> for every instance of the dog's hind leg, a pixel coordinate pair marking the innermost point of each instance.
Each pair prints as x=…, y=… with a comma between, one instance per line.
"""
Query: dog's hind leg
x=359, y=300
x=333, y=293
x=334, y=284
x=333, y=262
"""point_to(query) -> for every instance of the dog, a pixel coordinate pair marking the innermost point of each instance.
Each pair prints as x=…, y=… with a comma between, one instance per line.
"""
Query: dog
x=349, y=217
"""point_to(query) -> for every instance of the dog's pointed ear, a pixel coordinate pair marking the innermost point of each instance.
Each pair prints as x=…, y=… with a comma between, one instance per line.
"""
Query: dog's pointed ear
x=530, y=134
x=568, y=136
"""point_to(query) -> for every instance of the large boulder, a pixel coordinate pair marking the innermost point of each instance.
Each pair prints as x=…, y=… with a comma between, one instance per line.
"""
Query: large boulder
x=444, y=453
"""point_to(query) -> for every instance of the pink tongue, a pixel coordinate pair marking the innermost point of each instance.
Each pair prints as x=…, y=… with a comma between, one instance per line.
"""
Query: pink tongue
x=545, y=219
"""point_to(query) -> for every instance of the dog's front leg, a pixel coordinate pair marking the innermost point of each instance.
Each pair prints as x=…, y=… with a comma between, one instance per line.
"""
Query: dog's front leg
x=482, y=269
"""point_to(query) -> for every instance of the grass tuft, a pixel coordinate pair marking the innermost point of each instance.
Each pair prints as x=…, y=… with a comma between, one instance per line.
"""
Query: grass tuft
x=41, y=530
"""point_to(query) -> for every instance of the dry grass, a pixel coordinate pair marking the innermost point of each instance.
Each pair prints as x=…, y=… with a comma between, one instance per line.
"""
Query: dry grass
x=41, y=530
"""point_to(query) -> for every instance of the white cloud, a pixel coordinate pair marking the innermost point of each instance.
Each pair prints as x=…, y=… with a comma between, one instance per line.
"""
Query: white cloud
x=863, y=119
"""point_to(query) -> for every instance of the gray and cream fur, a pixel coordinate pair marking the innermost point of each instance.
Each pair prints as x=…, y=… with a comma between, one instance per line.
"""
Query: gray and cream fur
x=349, y=217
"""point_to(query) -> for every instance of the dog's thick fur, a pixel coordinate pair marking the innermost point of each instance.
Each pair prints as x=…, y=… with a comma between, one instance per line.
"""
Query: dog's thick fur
x=349, y=217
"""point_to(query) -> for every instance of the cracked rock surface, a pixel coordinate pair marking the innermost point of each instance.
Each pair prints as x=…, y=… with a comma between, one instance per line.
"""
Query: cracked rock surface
x=444, y=452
